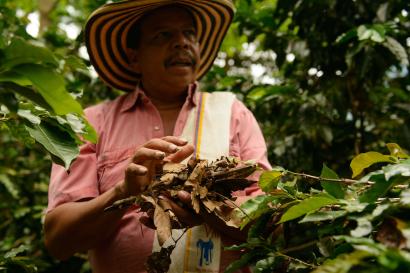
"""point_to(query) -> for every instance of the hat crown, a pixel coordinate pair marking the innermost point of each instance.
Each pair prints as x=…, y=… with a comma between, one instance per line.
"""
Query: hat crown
x=107, y=30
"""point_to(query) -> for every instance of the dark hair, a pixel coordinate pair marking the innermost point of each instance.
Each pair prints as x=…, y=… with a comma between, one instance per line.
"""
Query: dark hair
x=134, y=35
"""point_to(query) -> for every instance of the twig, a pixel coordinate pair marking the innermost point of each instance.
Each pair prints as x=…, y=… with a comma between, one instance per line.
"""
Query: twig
x=233, y=203
x=295, y=259
x=299, y=247
x=340, y=180
x=176, y=241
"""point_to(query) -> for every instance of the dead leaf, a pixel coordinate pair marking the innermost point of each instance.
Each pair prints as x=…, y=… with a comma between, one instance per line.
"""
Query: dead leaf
x=162, y=222
x=390, y=235
x=171, y=167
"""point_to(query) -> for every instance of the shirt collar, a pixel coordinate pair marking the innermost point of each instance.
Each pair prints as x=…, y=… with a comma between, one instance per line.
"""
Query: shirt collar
x=139, y=95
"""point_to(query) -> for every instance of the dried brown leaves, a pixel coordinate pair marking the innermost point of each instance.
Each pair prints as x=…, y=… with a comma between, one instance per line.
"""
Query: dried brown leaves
x=210, y=186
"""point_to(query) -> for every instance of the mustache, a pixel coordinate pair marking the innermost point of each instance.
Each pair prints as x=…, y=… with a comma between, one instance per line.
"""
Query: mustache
x=181, y=54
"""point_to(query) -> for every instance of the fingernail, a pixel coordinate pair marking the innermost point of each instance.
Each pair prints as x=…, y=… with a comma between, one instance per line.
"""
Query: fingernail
x=173, y=148
x=159, y=155
x=143, y=170
x=183, y=139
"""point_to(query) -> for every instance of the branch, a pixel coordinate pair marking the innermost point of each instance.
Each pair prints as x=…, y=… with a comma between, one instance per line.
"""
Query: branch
x=339, y=180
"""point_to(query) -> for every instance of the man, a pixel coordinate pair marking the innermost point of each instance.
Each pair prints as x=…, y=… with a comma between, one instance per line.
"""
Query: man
x=156, y=52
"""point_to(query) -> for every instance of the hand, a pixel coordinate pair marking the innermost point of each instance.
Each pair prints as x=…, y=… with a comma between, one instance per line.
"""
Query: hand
x=186, y=216
x=149, y=157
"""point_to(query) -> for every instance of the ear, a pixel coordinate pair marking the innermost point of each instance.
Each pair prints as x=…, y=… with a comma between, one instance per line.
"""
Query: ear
x=132, y=55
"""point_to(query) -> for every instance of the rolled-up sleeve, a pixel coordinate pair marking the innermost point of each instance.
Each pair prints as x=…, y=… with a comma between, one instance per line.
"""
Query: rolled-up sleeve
x=80, y=181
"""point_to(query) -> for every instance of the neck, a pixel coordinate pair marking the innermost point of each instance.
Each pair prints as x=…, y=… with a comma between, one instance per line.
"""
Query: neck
x=166, y=99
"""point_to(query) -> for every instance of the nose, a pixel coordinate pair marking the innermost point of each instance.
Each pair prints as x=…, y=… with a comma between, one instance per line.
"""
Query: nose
x=180, y=40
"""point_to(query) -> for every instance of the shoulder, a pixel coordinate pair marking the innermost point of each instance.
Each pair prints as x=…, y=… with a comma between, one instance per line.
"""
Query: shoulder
x=96, y=114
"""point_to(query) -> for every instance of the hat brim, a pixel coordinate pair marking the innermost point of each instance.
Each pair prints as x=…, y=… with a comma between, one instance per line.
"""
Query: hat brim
x=107, y=29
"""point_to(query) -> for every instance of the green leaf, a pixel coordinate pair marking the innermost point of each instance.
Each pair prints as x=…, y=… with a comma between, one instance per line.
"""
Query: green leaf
x=402, y=169
x=21, y=52
x=347, y=36
x=268, y=181
x=308, y=205
x=25, y=92
x=333, y=188
x=377, y=190
x=375, y=33
x=343, y=263
x=364, y=227
x=51, y=86
x=397, y=50
x=15, y=251
x=259, y=226
x=242, y=262
x=396, y=150
x=265, y=265
x=10, y=186
x=319, y=216
x=59, y=143
x=365, y=160
x=28, y=115
x=255, y=207
x=82, y=126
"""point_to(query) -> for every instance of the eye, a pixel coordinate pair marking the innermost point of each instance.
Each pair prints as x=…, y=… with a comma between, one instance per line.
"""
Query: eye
x=190, y=34
x=162, y=35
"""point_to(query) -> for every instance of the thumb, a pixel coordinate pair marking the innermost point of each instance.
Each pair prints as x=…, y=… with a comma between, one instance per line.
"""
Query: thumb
x=183, y=153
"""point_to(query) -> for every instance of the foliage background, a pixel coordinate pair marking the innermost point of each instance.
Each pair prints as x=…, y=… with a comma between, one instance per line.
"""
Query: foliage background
x=326, y=79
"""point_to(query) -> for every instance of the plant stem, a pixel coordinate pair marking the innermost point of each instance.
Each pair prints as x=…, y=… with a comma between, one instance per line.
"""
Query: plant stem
x=295, y=259
x=340, y=180
x=299, y=247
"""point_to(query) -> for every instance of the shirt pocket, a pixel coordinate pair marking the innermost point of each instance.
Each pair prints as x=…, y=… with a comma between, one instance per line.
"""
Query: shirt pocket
x=111, y=166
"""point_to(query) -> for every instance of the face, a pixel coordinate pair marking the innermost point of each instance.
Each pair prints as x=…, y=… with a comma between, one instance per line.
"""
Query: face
x=167, y=55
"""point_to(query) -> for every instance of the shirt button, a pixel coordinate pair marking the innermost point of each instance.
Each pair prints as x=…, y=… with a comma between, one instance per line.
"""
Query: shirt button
x=156, y=128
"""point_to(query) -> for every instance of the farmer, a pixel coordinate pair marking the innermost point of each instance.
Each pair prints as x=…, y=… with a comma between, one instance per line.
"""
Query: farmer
x=155, y=50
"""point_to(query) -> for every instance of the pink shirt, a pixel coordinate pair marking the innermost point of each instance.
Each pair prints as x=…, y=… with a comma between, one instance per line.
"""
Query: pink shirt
x=123, y=125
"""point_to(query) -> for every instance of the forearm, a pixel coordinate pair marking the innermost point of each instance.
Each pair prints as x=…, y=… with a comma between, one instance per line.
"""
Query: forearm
x=79, y=226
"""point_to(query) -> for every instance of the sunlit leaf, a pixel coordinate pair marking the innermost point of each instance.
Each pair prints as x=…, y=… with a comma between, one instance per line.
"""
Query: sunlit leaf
x=268, y=180
x=9, y=185
x=307, y=205
x=364, y=227
x=319, y=216
x=343, y=263
x=402, y=169
x=22, y=52
x=396, y=150
x=28, y=115
x=376, y=33
x=15, y=251
x=265, y=265
x=333, y=188
x=51, y=86
x=397, y=50
x=57, y=142
x=365, y=160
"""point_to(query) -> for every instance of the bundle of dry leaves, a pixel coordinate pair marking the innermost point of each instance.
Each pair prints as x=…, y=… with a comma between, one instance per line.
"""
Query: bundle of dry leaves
x=210, y=185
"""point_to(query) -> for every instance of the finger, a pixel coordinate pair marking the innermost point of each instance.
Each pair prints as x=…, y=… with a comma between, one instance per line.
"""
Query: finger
x=179, y=141
x=134, y=170
x=184, y=197
x=183, y=153
x=185, y=216
x=144, y=154
x=147, y=221
x=167, y=144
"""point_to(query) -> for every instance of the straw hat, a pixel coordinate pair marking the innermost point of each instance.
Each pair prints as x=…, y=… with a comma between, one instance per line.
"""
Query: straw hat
x=107, y=29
